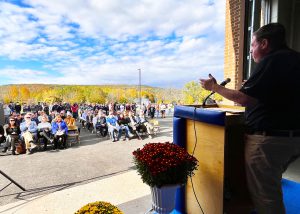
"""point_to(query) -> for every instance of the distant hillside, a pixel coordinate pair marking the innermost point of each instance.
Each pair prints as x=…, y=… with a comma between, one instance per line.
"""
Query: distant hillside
x=85, y=93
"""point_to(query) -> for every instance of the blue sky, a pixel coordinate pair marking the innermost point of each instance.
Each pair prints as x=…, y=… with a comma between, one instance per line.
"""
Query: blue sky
x=106, y=41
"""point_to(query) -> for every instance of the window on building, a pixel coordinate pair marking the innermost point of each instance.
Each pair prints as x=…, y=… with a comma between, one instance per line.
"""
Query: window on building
x=253, y=20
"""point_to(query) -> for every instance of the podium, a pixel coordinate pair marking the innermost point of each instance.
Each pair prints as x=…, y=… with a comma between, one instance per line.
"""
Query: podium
x=214, y=135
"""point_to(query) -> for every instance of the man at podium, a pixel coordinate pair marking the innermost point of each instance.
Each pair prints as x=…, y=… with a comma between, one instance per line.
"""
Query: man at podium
x=273, y=125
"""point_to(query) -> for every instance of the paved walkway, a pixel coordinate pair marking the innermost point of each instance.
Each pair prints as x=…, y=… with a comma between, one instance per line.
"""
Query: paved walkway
x=65, y=180
x=96, y=170
x=119, y=189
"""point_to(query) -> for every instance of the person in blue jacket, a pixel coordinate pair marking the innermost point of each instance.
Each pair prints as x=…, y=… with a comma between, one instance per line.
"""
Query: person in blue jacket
x=59, y=131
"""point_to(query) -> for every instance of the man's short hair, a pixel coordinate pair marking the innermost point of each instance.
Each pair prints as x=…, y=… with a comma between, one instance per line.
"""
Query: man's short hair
x=274, y=33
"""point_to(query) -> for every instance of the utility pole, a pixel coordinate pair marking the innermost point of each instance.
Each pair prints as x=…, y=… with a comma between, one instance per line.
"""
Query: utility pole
x=140, y=87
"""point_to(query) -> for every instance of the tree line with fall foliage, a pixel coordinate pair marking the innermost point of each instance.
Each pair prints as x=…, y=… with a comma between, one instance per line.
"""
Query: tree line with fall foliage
x=191, y=93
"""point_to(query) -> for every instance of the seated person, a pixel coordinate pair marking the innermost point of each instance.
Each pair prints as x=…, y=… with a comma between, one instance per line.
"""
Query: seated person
x=2, y=137
x=89, y=121
x=70, y=121
x=28, y=133
x=40, y=114
x=133, y=124
x=52, y=116
x=96, y=118
x=112, y=123
x=144, y=124
x=62, y=114
x=59, y=130
x=44, y=129
x=124, y=123
x=83, y=119
x=101, y=124
x=34, y=117
x=18, y=119
x=12, y=132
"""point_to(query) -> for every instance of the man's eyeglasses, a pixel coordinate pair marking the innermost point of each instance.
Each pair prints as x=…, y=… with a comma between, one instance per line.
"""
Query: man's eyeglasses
x=12, y=120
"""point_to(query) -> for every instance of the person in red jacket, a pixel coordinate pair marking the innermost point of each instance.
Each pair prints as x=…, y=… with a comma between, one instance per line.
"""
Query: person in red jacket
x=74, y=109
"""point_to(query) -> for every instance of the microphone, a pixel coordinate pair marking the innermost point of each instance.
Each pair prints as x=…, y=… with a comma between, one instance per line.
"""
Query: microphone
x=225, y=82
x=222, y=84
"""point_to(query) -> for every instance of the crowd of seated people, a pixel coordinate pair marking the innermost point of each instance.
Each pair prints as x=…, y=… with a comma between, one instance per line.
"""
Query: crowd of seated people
x=44, y=124
x=116, y=124
x=32, y=129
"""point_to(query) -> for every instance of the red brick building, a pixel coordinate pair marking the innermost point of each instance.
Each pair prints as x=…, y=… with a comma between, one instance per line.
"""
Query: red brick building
x=245, y=16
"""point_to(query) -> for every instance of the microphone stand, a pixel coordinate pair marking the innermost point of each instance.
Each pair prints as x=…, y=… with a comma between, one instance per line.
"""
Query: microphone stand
x=12, y=181
x=206, y=98
x=221, y=84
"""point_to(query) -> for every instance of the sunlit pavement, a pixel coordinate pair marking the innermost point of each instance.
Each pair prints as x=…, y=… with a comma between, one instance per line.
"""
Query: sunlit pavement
x=63, y=181
x=97, y=169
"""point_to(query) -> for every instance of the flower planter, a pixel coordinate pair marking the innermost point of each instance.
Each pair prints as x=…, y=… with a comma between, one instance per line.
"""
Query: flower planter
x=163, y=199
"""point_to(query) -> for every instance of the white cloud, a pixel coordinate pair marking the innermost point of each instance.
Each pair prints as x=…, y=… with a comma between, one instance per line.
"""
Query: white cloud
x=173, y=41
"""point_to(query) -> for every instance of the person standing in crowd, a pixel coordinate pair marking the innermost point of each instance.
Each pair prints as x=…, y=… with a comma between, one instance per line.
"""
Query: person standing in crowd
x=46, y=109
x=18, y=108
x=11, y=105
x=67, y=107
x=127, y=107
x=7, y=113
x=152, y=111
x=54, y=107
x=157, y=110
x=74, y=109
x=60, y=108
x=133, y=108
x=163, y=110
x=272, y=130
x=26, y=108
x=122, y=108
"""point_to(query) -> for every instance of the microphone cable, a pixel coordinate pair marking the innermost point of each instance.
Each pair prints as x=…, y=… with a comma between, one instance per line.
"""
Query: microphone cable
x=195, y=145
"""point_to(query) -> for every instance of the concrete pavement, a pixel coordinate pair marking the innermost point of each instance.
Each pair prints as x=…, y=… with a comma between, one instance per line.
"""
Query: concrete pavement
x=118, y=190
x=63, y=181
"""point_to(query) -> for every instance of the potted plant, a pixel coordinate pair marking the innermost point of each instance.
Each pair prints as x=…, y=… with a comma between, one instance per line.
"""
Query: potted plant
x=99, y=207
x=164, y=167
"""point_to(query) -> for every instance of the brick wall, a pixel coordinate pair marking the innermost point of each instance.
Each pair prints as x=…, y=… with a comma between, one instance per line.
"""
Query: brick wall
x=234, y=39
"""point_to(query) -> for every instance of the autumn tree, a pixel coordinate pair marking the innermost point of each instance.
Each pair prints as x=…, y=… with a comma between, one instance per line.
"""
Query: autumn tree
x=13, y=93
x=195, y=94
x=24, y=93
